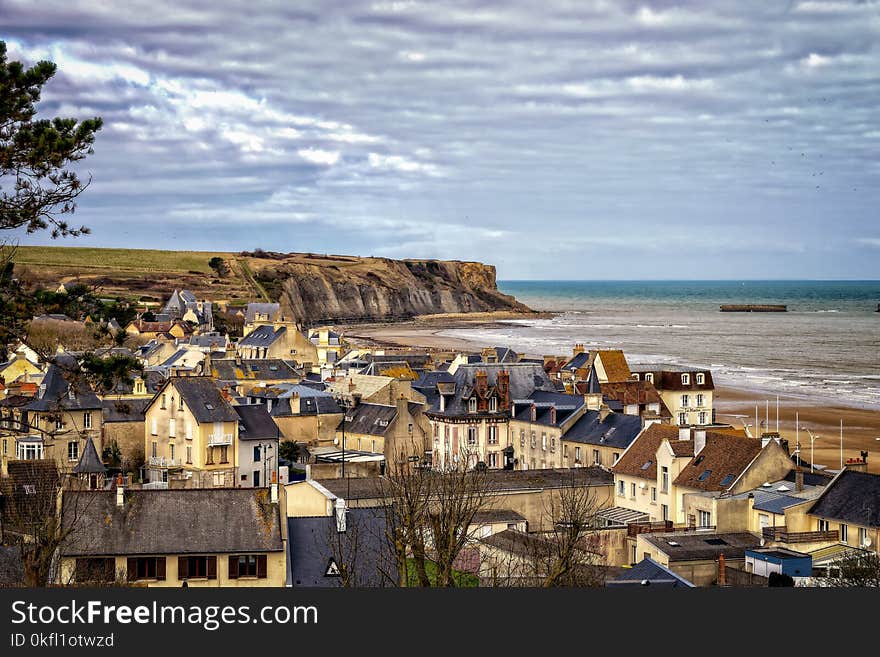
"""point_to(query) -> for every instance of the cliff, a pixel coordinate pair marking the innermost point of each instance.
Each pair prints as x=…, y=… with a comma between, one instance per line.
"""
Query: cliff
x=318, y=288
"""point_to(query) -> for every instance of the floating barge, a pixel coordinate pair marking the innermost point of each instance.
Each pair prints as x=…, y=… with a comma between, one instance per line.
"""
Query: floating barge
x=754, y=308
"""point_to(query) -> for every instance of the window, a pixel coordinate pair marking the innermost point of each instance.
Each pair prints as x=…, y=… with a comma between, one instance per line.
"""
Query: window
x=543, y=441
x=685, y=379
x=59, y=424
x=614, y=457
x=202, y=567
x=699, y=400
x=187, y=428
x=704, y=475
x=621, y=488
x=705, y=518
x=154, y=447
x=154, y=429
x=493, y=404
x=29, y=451
x=682, y=418
x=256, y=453
x=472, y=405
x=577, y=454
x=171, y=451
x=702, y=417
x=224, y=454
x=436, y=431
x=552, y=443
x=5, y=446
x=493, y=459
x=72, y=450
x=701, y=379
x=632, y=489
x=653, y=493
x=844, y=533
x=163, y=401
x=596, y=458
x=664, y=479
x=146, y=568
x=863, y=537
x=533, y=440
x=822, y=525
x=684, y=401
x=564, y=451
x=247, y=565
x=256, y=478
x=171, y=427
x=87, y=420
x=471, y=435
x=493, y=434
x=522, y=438
x=189, y=454
x=649, y=377
x=664, y=508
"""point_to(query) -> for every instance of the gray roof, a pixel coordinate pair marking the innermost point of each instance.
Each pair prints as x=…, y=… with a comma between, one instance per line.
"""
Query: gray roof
x=57, y=393
x=663, y=367
x=173, y=521
x=173, y=358
x=270, y=309
x=577, y=362
x=89, y=462
x=265, y=369
x=853, y=497
x=593, y=385
x=700, y=546
x=616, y=430
x=650, y=573
x=212, y=339
x=203, y=398
x=262, y=336
x=506, y=355
x=314, y=541
x=255, y=423
x=544, y=401
x=372, y=419
x=491, y=516
x=124, y=410
x=525, y=379
x=772, y=501
x=312, y=401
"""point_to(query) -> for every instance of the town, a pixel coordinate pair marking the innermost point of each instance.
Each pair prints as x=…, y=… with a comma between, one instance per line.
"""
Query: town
x=223, y=445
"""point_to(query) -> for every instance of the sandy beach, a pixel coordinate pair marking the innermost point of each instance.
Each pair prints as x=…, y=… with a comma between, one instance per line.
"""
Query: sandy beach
x=861, y=427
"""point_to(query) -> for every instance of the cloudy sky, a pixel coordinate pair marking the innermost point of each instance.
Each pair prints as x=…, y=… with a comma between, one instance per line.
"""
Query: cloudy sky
x=555, y=139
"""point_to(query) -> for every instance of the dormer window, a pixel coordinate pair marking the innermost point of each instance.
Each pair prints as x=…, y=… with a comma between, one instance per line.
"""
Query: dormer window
x=635, y=376
x=685, y=379
x=493, y=404
x=649, y=377
x=701, y=379
x=472, y=405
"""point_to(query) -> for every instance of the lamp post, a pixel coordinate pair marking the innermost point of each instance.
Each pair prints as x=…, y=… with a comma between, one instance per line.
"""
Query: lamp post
x=813, y=438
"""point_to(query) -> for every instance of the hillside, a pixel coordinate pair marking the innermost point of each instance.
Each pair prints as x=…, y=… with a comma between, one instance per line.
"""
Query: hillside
x=312, y=287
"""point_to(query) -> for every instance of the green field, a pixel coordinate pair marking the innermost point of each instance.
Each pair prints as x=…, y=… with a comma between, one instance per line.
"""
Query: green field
x=144, y=260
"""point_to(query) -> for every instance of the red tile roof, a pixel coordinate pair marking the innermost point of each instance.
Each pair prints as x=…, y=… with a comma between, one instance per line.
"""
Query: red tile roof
x=644, y=450
x=723, y=458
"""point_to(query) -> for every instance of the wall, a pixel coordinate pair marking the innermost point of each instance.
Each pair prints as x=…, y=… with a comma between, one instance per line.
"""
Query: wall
x=536, y=457
x=309, y=429
x=304, y=500
x=129, y=436
x=771, y=464
x=267, y=464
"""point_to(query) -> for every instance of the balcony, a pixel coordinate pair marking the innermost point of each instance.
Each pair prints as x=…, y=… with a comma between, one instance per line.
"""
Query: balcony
x=780, y=535
x=162, y=462
x=220, y=439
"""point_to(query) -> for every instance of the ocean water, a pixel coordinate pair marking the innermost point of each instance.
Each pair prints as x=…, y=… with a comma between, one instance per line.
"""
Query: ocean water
x=827, y=346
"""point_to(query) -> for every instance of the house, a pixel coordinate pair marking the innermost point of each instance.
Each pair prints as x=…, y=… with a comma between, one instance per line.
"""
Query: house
x=258, y=446
x=538, y=425
x=19, y=368
x=258, y=314
x=763, y=561
x=90, y=470
x=191, y=435
x=329, y=344
x=58, y=421
x=850, y=504
x=599, y=438
x=168, y=330
x=181, y=362
x=648, y=572
x=152, y=538
x=499, y=355
x=184, y=305
x=123, y=426
x=686, y=391
x=372, y=389
x=211, y=342
x=470, y=415
x=609, y=365
x=636, y=398
x=695, y=555
x=284, y=342
x=241, y=375
x=395, y=431
x=302, y=413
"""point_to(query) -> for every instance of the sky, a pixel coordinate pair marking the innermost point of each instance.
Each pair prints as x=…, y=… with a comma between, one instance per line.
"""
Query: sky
x=556, y=140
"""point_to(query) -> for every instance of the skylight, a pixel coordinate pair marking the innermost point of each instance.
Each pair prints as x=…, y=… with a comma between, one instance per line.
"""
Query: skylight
x=699, y=459
x=728, y=480
x=210, y=407
x=673, y=544
x=647, y=465
x=715, y=541
x=704, y=476
x=783, y=488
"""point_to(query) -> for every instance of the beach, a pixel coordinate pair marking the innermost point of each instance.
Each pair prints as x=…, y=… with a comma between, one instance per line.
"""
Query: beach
x=861, y=426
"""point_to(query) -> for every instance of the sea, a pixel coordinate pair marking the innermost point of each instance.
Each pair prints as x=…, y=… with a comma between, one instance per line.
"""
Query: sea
x=825, y=347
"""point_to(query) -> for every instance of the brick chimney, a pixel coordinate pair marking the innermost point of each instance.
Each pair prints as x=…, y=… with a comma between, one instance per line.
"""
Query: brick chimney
x=722, y=571
x=503, y=385
x=481, y=382
x=578, y=349
x=799, y=478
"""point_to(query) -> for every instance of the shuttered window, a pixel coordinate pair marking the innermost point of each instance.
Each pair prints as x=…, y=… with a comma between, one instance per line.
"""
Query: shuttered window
x=247, y=565
x=197, y=567
x=146, y=568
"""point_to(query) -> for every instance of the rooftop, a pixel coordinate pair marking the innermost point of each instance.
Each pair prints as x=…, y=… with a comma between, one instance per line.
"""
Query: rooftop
x=699, y=546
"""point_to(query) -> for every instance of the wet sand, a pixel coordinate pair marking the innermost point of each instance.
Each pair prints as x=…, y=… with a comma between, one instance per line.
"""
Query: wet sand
x=861, y=427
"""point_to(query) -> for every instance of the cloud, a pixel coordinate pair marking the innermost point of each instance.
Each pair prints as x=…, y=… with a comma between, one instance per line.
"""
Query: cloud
x=318, y=156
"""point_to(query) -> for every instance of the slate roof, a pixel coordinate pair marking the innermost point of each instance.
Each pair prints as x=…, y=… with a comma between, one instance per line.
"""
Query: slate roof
x=255, y=423
x=699, y=546
x=312, y=401
x=852, y=497
x=57, y=393
x=592, y=386
x=578, y=361
x=724, y=458
x=270, y=309
x=566, y=406
x=153, y=380
x=648, y=572
x=203, y=398
x=124, y=410
x=644, y=450
x=616, y=430
x=265, y=369
x=89, y=462
x=172, y=521
x=505, y=355
x=372, y=419
x=313, y=542
x=262, y=336
x=525, y=379
x=491, y=516
x=209, y=340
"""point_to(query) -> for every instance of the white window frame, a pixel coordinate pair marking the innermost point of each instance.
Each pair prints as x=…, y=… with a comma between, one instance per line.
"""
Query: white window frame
x=73, y=454
x=492, y=434
x=649, y=377
x=544, y=441
x=155, y=427
x=704, y=518
x=684, y=400
x=685, y=379
x=682, y=419
x=700, y=399
x=493, y=404
x=844, y=533
x=87, y=420
x=621, y=488
x=472, y=405
x=472, y=435
x=701, y=379
x=522, y=437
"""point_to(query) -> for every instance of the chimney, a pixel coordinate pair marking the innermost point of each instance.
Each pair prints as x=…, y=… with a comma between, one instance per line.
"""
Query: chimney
x=351, y=386
x=722, y=571
x=206, y=364
x=402, y=407
x=481, y=381
x=699, y=440
x=340, y=515
x=798, y=478
x=120, y=492
x=274, y=491
x=604, y=411
x=684, y=433
x=578, y=349
x=503, y=384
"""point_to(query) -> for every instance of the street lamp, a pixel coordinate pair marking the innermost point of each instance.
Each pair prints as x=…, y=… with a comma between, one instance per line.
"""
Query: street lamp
x=813, y=438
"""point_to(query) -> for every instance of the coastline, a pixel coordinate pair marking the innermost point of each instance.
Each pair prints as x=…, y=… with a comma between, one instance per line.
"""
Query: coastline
x=861, y=425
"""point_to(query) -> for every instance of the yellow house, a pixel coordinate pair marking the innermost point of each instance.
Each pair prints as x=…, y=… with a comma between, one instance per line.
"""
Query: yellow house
x=850, y=504
x=163, y=538
x=686, y=391
x=191, y=435
x=329, y=344
x=20, y=367
x=389, y=430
